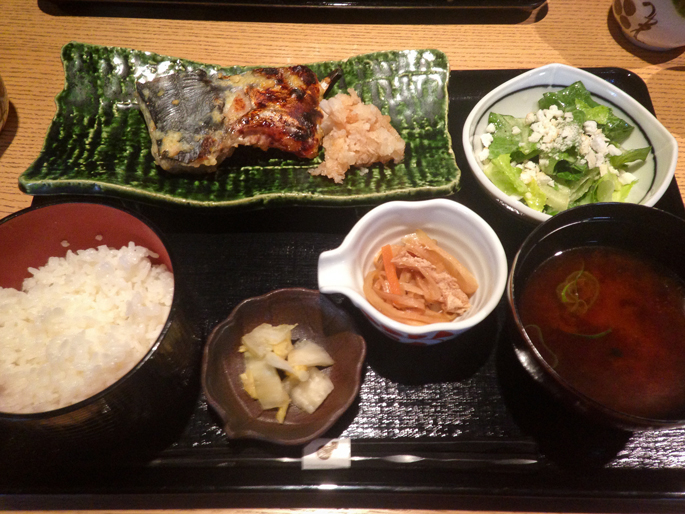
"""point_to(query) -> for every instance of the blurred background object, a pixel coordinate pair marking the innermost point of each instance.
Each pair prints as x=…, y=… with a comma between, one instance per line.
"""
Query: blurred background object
x=4, y=104
x=655, y=24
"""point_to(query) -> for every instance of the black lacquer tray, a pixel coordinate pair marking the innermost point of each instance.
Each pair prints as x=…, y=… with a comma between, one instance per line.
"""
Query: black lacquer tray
x=433, y=427
x=411, y=12
x=522, y=5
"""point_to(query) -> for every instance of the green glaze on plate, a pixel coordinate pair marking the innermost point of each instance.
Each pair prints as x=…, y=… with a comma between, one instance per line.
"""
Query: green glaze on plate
x=98, y=142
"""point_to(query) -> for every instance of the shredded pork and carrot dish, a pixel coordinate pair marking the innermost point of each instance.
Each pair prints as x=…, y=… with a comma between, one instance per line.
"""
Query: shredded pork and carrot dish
x=419, y=283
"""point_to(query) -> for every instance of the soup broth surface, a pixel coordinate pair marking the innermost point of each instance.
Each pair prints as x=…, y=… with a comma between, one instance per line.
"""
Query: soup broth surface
x=613, y=326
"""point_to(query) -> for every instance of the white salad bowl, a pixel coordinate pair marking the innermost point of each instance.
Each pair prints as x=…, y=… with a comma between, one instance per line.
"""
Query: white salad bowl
x=457, y=229
x=519, y=96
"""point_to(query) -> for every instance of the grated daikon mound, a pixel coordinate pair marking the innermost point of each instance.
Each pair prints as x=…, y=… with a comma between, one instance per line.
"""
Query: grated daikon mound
x=355, y=134
x=78, y=325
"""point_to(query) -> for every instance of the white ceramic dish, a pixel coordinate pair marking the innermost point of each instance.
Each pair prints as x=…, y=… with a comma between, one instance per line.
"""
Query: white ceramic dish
x=520, y=95
x=457, y=229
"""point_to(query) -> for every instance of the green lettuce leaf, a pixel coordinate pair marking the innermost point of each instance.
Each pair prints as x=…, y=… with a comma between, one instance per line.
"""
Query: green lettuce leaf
x=570, y=176
x=566, y=98
x=605, y=187
x=574, y=184
x=557, y=196
x=576, y=99
x=506, y=142
x=569, y=169
x=628, y=156
x=622, y=192
x=616, y=129
x=505, y=176
x=610, y=189
x=535, y=197
x=598, y=113
x=581, y=187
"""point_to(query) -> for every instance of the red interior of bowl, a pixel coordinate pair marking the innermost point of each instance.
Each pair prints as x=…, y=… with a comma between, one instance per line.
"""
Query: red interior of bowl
x=31, y=237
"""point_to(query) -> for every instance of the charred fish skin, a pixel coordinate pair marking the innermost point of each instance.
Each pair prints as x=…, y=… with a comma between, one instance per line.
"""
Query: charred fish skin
x=195, y=121
x=286, y=113
x=184, y=116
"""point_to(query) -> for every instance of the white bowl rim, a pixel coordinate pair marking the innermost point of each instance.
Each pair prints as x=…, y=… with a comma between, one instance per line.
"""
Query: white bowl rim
x=528, y=78
x=500, y=273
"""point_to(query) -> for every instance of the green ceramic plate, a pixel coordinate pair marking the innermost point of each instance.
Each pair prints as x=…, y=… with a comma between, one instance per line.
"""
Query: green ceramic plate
x=98, y=142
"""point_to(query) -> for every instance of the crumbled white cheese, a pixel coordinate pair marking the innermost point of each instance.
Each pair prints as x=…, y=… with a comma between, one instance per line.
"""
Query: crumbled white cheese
x=543, y=179
x=529, y=172
x=605, y=168
x=590, y=127
x=527, y=176
x=569, y=132
x=554, y=111
x=613, y=150
x=591, y=159
x=626, y=178
x=554, y=131
x=599, y=143
x=551, y=134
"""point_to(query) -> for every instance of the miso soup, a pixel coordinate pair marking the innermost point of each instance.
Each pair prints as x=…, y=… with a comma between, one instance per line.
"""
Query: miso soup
x=612, y=325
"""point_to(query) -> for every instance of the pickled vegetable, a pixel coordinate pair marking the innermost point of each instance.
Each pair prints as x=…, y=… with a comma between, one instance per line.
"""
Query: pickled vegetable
x=278, y=372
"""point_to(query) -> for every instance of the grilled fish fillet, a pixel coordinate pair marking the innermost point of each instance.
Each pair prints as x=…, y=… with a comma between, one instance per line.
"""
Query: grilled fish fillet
x=196, y=121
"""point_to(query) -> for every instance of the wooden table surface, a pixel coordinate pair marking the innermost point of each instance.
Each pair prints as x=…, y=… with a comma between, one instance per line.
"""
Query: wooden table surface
x=582, y=34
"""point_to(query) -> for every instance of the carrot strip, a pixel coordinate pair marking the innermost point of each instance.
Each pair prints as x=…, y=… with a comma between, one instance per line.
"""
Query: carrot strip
x=390, y=271
x=413, y=290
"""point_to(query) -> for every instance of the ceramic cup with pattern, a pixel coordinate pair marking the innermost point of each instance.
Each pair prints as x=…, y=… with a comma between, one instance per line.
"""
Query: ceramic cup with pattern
x=652, y=24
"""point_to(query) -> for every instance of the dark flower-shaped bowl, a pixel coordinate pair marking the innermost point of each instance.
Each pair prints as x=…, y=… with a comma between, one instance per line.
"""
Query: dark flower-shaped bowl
x=319, y=320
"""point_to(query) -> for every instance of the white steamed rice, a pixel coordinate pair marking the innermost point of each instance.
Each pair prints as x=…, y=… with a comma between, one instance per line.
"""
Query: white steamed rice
x=79, y=324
